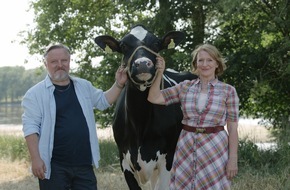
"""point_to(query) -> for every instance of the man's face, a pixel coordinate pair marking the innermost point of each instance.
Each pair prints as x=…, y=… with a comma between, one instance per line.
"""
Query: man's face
x=58, y=64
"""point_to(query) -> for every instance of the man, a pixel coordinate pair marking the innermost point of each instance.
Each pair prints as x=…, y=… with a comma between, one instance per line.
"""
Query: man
x=59, y=124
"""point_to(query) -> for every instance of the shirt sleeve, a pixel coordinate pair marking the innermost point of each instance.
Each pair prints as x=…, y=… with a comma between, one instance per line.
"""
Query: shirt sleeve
x=31, y=117
x=99, y=99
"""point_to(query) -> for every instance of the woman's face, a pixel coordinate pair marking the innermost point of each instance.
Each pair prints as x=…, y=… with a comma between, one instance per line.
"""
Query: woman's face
x=206, y=65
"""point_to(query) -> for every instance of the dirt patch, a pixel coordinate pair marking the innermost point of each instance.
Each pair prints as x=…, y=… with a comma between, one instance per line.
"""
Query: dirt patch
x=16, y=176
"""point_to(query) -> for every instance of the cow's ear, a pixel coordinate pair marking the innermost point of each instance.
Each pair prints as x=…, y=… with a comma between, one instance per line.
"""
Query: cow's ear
x=108, y=43
x=172, y=39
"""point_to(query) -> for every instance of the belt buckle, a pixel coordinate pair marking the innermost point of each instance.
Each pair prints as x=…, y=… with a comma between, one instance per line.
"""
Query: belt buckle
x=200, y=130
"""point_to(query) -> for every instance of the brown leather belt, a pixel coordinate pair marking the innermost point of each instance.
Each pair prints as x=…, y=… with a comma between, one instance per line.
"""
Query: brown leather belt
x=203, y=129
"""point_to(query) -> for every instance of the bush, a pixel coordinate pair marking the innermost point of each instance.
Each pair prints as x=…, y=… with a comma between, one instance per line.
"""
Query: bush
x=273, y=159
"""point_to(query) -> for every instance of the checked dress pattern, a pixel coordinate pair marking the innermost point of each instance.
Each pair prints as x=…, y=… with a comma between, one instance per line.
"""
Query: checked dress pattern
x=200, y=159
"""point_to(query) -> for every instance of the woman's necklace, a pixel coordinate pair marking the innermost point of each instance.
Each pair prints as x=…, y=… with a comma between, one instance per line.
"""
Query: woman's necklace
x=62, y=88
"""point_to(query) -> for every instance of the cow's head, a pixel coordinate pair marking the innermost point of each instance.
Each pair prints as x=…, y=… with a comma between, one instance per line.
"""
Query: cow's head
x=140, y=48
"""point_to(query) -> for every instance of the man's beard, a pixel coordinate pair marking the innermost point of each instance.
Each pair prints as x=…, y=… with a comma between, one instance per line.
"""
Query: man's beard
x=59, y=76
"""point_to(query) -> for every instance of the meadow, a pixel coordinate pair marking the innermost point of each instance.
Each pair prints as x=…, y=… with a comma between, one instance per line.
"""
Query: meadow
x=259, y=168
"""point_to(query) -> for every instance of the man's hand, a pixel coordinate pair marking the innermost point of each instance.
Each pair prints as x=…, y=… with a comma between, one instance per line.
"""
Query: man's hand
x=38, y=168
x=121, y=76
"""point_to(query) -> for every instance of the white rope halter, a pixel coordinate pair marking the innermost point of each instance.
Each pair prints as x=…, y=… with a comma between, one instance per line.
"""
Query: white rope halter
x=143, y=86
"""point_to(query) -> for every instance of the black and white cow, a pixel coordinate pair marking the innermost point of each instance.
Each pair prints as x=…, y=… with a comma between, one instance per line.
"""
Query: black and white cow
x=145, y=134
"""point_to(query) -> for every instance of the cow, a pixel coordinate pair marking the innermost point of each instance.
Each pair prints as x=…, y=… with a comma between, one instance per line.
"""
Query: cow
x=146, y=134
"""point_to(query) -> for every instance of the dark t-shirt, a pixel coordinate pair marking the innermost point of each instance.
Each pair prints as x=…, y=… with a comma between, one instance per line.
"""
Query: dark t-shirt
x=71, y=137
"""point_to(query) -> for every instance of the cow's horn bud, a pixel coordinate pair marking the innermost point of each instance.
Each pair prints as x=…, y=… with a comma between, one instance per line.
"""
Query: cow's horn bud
x=171, y=45
x=108, y=49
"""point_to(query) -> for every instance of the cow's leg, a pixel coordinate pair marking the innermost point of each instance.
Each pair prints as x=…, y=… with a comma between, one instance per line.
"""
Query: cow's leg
x=131, y=181
x=129, y=173
x=163, y=175
x=163, y=179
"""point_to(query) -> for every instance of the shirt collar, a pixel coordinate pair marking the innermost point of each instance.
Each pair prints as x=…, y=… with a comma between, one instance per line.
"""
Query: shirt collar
x=213, y=82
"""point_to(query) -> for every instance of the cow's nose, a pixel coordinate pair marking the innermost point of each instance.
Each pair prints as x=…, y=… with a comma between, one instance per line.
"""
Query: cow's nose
x=143, y=62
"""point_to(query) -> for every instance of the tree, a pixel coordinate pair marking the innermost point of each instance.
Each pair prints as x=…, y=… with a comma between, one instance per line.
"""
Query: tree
x=15, y=81
x=257, y=47
x=10, y=82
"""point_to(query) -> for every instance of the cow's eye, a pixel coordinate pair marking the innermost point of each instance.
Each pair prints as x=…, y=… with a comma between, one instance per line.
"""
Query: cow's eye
x=155, y=47
x=123, y=47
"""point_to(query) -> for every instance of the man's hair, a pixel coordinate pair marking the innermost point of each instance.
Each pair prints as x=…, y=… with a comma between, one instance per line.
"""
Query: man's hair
x=56, y=46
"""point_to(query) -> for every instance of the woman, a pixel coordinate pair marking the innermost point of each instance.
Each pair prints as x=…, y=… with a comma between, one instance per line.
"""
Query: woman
x=206, y=155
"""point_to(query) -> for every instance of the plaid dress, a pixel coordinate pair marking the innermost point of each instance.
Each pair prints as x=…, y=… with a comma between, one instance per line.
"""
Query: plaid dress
x=200, y=159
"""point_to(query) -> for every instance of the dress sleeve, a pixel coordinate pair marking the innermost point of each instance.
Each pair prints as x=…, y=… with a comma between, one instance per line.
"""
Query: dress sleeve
x=232, y=105
x=172, y=94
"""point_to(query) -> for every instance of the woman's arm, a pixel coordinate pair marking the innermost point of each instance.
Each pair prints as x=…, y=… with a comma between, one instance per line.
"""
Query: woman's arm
x=232, y=166
x=155, y=95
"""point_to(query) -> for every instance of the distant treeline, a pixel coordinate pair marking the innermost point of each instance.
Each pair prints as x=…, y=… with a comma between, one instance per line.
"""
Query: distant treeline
x=15, y=81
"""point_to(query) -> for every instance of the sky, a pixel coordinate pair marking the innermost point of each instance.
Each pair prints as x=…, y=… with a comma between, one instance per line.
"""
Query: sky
x=14, y=18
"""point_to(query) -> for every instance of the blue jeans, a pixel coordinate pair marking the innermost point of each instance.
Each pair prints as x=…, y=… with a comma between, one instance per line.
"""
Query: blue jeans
x=69, y=178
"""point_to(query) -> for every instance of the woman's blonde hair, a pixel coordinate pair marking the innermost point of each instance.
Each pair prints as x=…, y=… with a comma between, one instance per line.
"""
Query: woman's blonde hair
x=214, y=53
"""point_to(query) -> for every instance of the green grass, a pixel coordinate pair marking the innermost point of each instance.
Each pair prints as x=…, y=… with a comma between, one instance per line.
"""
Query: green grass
x=249, y=178
x=109, y=154
x=258, y=169
x=13, y=148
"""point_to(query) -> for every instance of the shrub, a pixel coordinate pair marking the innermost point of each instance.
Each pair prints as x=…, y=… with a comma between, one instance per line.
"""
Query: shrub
x=259, y=159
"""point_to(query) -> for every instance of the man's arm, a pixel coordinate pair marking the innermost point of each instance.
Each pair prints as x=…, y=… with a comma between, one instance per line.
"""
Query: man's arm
x=38, y=167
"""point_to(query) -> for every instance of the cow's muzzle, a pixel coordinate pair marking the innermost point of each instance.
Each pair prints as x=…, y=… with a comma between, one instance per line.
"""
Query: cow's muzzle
x=142, y=67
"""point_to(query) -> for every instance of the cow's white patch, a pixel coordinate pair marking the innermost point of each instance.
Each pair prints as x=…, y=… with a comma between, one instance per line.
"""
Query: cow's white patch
x=153, y=174
x=142, y=87
x=139, y=32
x=169, y=80
x=144, y=76
x=172, y=70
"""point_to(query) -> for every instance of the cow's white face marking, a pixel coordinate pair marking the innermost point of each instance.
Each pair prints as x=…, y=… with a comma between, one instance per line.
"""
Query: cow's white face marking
x=144, y=76
x=139, y=32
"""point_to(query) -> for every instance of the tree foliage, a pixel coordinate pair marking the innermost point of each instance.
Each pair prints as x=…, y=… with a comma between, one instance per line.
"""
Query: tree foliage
x=15, y=81
x=253, y=35
x=258, y=45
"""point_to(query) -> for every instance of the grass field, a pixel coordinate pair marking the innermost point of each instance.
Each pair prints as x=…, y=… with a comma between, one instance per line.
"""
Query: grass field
x=15, y=175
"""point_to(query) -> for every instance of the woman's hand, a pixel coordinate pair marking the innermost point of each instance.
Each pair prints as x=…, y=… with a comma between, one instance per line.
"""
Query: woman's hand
x=160, y=64
x=232, y=167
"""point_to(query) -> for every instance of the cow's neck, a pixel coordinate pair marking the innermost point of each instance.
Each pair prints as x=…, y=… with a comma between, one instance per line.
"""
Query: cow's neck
x=136, y=98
